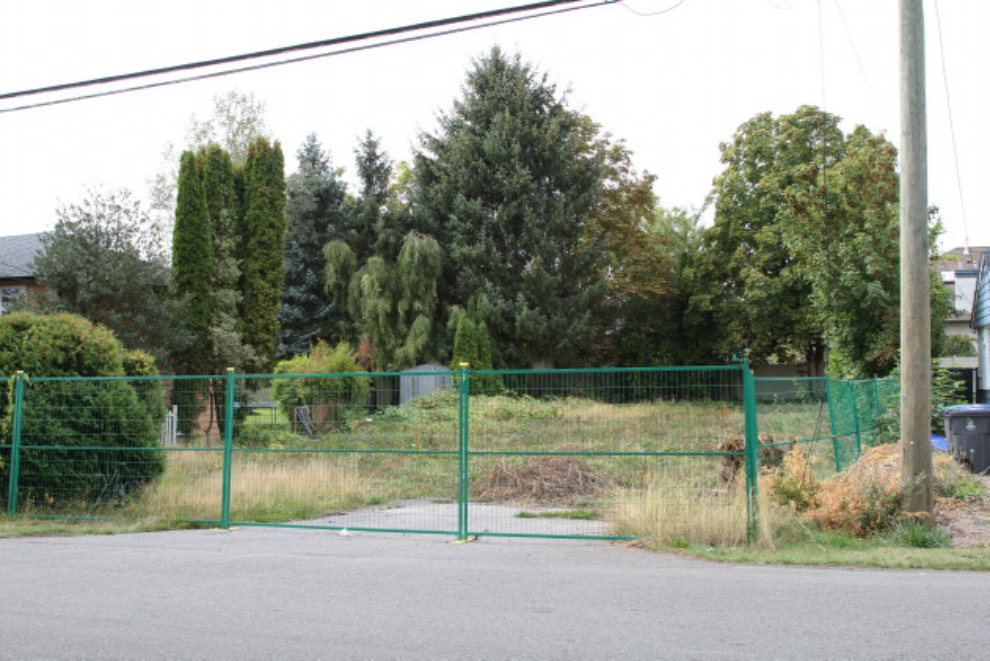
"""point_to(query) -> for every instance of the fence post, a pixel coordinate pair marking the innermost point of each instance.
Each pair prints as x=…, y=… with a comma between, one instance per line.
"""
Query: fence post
x=15, y=446
x=752, y=449
x=463, y=440
x=831, y=423
x=876, y=386
x=228, y=444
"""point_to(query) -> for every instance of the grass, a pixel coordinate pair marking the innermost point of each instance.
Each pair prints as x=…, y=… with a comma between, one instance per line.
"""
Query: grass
x=837, y=550
x=579, y=515
x=264, y=489
x=25, y=526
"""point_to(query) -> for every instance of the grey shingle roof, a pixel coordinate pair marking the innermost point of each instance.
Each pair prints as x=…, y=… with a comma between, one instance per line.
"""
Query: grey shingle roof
x=16, y=254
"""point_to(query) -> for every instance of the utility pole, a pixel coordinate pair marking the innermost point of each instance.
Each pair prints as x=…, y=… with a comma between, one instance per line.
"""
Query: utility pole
x=916, y=362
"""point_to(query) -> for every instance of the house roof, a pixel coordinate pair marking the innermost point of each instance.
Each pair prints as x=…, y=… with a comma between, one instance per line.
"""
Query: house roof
x=957, y=259
x=17, y=254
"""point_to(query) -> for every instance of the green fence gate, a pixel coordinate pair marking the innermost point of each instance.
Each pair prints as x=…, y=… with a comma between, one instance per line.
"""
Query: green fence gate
x=546, y=453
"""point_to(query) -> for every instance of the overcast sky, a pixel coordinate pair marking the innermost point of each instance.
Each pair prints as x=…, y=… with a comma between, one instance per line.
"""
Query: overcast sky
x=673, y=85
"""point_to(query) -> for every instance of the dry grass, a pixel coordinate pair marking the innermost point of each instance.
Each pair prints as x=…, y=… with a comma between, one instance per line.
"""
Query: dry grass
x=272, y=487
x=665, y=515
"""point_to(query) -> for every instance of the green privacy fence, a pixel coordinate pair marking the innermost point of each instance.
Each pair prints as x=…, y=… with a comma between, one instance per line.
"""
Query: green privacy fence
x=547, y=453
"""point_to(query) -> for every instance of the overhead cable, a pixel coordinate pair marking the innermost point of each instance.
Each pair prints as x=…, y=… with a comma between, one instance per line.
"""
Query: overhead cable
x=532, y=7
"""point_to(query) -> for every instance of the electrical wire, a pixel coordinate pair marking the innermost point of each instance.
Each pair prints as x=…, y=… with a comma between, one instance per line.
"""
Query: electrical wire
x=288, y=49
x=952, y=127
x=859, y=61
x=268, y=65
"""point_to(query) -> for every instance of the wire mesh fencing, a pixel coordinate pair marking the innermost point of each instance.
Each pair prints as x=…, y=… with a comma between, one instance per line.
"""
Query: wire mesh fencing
x=560, y=453
x=833, y=420
x=548, y=453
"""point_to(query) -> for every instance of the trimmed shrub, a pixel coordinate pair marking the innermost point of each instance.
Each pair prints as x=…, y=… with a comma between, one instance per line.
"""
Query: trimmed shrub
x=99, y=438
x=326, y=396
x=151, y=392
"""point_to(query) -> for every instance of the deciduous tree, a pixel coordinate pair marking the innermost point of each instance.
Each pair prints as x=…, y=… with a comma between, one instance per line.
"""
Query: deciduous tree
x=101, y=263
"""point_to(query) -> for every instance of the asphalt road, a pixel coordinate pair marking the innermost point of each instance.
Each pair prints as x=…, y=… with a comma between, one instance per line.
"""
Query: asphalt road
x=281, y=594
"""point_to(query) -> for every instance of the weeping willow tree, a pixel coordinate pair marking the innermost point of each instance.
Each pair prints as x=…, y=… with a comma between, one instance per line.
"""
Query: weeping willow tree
x=391, y=305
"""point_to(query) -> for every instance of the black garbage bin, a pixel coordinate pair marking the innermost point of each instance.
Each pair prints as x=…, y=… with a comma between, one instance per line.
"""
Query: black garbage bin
x=967, y=428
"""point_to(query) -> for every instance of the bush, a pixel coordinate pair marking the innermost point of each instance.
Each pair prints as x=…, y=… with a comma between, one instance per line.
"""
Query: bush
x=85, y=414
x=151, y=392
x=920, y=534
x=327, y=396
x=259, y=437
x=958, y=345
x=945, y=392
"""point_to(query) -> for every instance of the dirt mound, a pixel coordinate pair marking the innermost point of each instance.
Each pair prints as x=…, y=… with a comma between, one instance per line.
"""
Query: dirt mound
x=540, y=480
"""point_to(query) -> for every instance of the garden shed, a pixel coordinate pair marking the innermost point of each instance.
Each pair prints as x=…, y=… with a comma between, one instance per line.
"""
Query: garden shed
x=423, y=380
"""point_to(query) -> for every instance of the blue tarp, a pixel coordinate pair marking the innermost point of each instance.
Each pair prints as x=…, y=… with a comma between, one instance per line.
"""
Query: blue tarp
x=940, y=443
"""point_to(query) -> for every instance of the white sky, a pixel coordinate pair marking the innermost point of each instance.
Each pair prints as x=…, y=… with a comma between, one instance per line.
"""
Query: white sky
x=674, y=85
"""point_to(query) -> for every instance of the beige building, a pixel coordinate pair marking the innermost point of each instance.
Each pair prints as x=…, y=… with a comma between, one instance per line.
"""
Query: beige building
x=959, y=269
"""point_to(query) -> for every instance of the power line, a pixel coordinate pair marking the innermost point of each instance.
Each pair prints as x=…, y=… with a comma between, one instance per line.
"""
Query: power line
x=257, y=67
x=298, y=47
x=859, y=61
x=952, y=127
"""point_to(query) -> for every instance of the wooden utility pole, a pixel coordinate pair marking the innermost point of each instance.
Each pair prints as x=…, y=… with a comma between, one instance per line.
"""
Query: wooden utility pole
x=916, y=362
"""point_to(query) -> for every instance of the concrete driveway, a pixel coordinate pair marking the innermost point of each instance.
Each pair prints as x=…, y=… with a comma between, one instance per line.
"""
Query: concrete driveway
x=297, y=594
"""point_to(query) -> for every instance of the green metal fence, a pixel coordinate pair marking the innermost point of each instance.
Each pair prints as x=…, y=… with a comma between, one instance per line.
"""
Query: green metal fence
x=833, y=420
x=546, y=453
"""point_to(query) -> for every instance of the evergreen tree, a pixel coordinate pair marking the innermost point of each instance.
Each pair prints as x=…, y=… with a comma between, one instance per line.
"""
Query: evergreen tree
x=473, y=345
x=228, y=349
x=262, y=251
x=507, y=186
x=192, y=264
x=315, y=209
x=377, y=225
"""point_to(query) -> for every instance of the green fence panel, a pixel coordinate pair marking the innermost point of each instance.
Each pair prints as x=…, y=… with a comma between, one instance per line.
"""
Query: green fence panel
x=794, y=413
x=563, y=453
x=339, y=452
x=546, y=453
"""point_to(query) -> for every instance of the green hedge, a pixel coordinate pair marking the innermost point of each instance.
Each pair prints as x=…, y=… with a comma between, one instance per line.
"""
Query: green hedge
x=99, y=439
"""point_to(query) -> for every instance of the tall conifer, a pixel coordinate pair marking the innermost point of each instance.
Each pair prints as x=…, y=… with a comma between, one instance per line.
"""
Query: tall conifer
x=315, y=216
x=262, y=265
x=192, y=263
x=507, y=186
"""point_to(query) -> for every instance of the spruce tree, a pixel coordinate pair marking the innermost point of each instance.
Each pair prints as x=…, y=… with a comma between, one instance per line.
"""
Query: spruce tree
x=375, y=224
x=507, y=186
x=315, y=210
x=263, y=237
